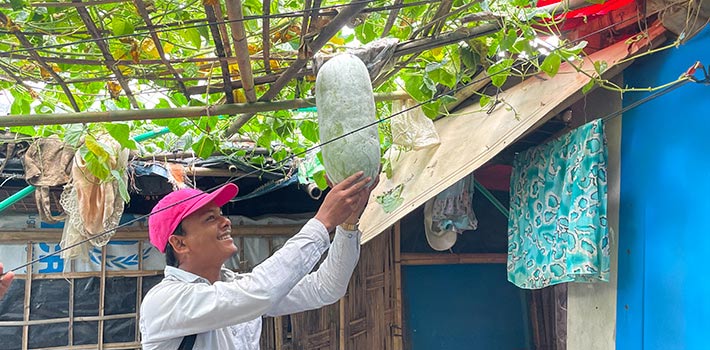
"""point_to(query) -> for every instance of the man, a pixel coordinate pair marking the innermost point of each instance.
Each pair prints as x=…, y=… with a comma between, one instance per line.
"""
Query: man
x=199, y=296
x=5, y=281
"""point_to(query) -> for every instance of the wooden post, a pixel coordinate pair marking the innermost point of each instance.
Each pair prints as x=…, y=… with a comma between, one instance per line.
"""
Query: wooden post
x=28, y=291
x=102, y=295
x=342, y=337
x=398, y=342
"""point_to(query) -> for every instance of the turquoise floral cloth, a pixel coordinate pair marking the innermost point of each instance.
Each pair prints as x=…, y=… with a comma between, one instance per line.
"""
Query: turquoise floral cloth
x=557, y=230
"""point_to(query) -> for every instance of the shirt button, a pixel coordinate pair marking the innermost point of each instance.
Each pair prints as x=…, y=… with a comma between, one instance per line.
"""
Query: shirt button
x=350, y=235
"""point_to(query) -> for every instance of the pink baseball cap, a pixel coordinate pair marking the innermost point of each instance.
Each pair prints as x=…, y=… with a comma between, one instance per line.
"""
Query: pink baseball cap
x=166, y=215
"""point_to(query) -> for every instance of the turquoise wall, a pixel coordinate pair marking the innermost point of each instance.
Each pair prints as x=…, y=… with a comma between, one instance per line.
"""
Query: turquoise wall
x=663, y=299
x=463, y=307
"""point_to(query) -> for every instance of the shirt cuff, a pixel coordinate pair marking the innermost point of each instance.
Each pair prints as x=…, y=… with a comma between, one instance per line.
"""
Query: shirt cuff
x=320, y=231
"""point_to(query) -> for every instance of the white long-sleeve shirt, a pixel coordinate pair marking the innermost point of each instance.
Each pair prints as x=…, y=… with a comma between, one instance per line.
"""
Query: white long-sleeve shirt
x=227, y=314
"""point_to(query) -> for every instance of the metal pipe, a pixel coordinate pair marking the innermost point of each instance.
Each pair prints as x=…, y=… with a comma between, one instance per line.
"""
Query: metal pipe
x=16, y=197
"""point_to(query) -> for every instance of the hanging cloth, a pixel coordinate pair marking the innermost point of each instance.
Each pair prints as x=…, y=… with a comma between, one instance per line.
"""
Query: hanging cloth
x=557, y=230
x=47, y=163
x=92, y=206
x=449, y=214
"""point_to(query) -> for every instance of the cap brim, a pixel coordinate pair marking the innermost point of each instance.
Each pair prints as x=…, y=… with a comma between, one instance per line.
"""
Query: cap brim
x=219, y=196
x=438, y=239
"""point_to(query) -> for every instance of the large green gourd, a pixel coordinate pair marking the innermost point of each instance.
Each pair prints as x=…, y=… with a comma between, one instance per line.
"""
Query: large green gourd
x=346, y=103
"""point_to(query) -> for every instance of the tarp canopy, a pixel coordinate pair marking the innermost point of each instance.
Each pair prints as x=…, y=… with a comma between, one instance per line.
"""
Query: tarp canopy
x=472, y=137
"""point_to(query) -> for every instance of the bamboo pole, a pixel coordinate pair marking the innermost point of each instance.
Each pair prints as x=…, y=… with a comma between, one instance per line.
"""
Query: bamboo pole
x=241, y=47
x=28, y=291
x=139, y=291
x=166, y=113
x=102, y=296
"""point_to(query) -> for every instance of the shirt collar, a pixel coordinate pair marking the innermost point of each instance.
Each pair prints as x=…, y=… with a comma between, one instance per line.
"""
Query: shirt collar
x=189, y=277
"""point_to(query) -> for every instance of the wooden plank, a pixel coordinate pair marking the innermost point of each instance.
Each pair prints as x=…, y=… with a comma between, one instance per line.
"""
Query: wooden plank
x=446, y=259
x=424, y=173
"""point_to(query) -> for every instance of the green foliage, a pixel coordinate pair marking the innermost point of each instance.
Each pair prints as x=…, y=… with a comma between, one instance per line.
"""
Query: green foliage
x=433, y=74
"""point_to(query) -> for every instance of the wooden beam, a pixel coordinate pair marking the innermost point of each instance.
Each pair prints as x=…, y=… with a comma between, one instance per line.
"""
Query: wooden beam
x=345, y=15
x=143, y=11
x=165, y=113
x=219, y=48
x=110, y=62
x=449, y=259
x=391, y=18
x=241, y=47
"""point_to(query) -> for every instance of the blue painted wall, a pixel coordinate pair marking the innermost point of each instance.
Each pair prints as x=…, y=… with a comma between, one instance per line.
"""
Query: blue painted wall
x=664, y=239
x=463, y=307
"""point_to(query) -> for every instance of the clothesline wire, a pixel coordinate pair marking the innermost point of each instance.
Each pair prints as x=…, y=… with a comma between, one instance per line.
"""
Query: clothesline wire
x=295, y=155
x=206, y=23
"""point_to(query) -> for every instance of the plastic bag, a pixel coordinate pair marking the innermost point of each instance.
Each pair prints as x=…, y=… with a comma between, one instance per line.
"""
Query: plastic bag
x=412, y=129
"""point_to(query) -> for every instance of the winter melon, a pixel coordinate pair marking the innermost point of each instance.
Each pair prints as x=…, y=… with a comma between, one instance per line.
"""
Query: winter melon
x=345, y=103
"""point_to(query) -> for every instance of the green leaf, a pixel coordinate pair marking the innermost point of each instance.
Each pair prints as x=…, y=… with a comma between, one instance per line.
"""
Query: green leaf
x=194, y=37
x=24, y=130
x=73, y=134
x=309, y=130
x=484, y=101
x=18, y=4
x=500, y=71
x=204, y=147
x=444, y=77
x=320, y=180
x=97, y=167
x=508, y=40
x=600, y=66
x=122, y=134
x=178, y=99
x=551, y=64
x=470, y=58
x=431, y=109
x=122, y=186
x=97, y=148
x=162, y=103
x=588, y=86
x=121, y=26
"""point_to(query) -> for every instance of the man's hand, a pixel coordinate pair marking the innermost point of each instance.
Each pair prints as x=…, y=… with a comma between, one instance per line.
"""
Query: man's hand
x=345, y=201
x=5, y=281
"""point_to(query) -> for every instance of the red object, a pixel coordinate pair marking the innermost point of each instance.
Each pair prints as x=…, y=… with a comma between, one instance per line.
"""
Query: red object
x=580, y=16
x=494, y=177
x=169, y=212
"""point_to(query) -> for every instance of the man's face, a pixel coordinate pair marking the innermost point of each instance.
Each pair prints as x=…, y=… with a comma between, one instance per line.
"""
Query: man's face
x=208, y=236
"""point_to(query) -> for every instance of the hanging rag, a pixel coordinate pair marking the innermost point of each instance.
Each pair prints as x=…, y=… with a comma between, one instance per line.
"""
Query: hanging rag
x=449, y=214
x=92, y=206
x=557, y=230
x=47, y=163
